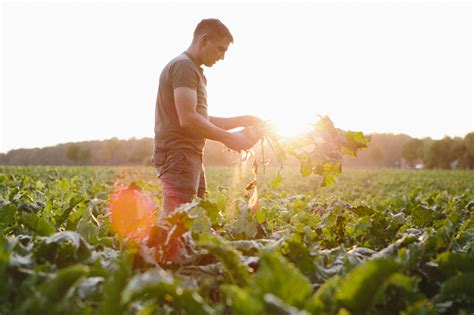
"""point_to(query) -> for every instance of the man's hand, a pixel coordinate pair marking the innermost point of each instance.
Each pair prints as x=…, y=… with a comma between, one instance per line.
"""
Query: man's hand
x=254, y=133
x=235, y=122
x=246, y=138
x=238, y=141
x=247, y=121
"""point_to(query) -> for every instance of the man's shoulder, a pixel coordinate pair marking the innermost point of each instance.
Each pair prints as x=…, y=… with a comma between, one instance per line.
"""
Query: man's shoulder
x=181, y=60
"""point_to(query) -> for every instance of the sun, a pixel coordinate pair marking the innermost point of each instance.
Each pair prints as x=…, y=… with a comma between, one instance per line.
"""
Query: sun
x=292, y=125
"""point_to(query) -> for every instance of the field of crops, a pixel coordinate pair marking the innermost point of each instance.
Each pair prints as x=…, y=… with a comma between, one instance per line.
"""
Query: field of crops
x=377, y=242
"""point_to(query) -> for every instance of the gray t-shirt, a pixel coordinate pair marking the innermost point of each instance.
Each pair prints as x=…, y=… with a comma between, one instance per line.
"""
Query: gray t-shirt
x=182, y=71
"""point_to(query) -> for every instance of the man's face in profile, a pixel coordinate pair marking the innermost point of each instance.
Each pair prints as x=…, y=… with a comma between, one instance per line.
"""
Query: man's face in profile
x=214, y=50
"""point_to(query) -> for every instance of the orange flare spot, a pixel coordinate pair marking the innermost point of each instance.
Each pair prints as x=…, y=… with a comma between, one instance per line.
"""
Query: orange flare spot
x=132, y=214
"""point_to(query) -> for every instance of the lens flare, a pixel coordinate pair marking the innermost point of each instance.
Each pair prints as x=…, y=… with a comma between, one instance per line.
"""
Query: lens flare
x=132, y=214
x=291, y=126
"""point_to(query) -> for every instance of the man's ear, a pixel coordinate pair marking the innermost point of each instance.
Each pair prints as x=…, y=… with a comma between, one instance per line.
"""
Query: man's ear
x=205, y=39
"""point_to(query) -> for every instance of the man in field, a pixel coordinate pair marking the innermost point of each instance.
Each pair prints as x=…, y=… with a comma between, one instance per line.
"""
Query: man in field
x=182, y=124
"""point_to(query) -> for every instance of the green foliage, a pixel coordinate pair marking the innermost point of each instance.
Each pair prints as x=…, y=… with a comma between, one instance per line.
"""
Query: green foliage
x=457, y=292
x=241, y=301
x=237, y=272
x=320, y=151
x=115, y=283
x=275, y=275
x=37, y=224
x=62, y=248
x=322, y=301
x=376, y=242
x=162, y=286
x=358, y=292
x=47, y=298
x=4, y=262
x=452, y=264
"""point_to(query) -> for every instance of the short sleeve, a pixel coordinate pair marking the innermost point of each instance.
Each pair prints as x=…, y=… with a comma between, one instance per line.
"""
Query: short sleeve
x=184, y=74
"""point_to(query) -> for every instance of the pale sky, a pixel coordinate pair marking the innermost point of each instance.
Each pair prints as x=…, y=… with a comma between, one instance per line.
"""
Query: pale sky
x=86, y=70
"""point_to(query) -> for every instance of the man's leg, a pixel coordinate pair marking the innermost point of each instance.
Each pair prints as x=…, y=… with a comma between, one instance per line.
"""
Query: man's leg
x=180, y=177
x=202, y=183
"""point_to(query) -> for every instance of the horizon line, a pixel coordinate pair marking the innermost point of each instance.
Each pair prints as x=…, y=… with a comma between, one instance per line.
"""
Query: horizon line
x=140, y=138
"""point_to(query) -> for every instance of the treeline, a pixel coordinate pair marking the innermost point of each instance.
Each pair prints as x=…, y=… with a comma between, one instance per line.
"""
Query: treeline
x=385, y=150
x=106, y=152
x=445, y=153
x=388, y=150
x=112, y=152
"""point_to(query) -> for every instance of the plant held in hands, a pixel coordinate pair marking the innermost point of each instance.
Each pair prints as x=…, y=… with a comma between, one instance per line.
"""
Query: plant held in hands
x=319, y=151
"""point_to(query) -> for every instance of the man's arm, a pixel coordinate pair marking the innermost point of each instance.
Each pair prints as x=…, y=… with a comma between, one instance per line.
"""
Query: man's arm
x=186, y=103
x=234, y=122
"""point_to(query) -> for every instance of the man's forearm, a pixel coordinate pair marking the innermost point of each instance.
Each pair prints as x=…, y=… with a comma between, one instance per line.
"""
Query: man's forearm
x=202, y=127
x=231, y=122
x=206, y=129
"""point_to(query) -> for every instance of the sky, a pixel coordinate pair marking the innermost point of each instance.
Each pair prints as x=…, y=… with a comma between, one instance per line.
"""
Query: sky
x=87, y=70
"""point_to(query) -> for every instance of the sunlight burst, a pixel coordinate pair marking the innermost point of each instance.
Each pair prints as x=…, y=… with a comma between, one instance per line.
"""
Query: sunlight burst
x=293, y=125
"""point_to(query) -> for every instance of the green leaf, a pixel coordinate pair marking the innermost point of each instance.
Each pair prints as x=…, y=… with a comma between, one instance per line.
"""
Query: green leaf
x=7, y=214
x=362, y=211
x=329, y=172
x=73, y=201
x=155, y=279
x=422, y=216
x=358, y=292
x=305, y=168
x=454, y=263
x=161, y=285
x=90, y=288
x=201, y=226
x=241, y=301
x=399, y=293
x=181, y=220
x=322, y=301
x=246, y=225
x=276, y=182
x=47, y=295
x=459, y=290
x=279, y=277
x=63, y=248
x=237, y=272
x=422, y=307
x=274, y=305
x=297, y=252
x=114, y=284
x=355, y=141
x=4, y=262
x=38, y=224
x=212, y=211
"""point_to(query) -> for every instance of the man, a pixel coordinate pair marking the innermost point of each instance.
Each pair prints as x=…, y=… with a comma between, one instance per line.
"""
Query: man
x=182, y=124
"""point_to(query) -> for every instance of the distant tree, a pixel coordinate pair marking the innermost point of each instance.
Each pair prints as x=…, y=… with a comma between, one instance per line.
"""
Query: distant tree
x=469, y=145
x=376, y=155
x=78, y=153
x=459, y=153
x=140, y=151
x=439, y=154
x=110, y=151
x=389, y=144
x=412, y=151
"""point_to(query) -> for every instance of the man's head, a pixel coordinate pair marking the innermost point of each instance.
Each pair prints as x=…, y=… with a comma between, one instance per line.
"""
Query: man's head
x=211, y=40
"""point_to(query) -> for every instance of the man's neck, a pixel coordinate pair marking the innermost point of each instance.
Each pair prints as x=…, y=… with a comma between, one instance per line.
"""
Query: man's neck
x=193, y=54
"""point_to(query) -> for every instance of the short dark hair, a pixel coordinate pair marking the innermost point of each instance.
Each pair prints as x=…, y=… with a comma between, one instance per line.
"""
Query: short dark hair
x=214, y=28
